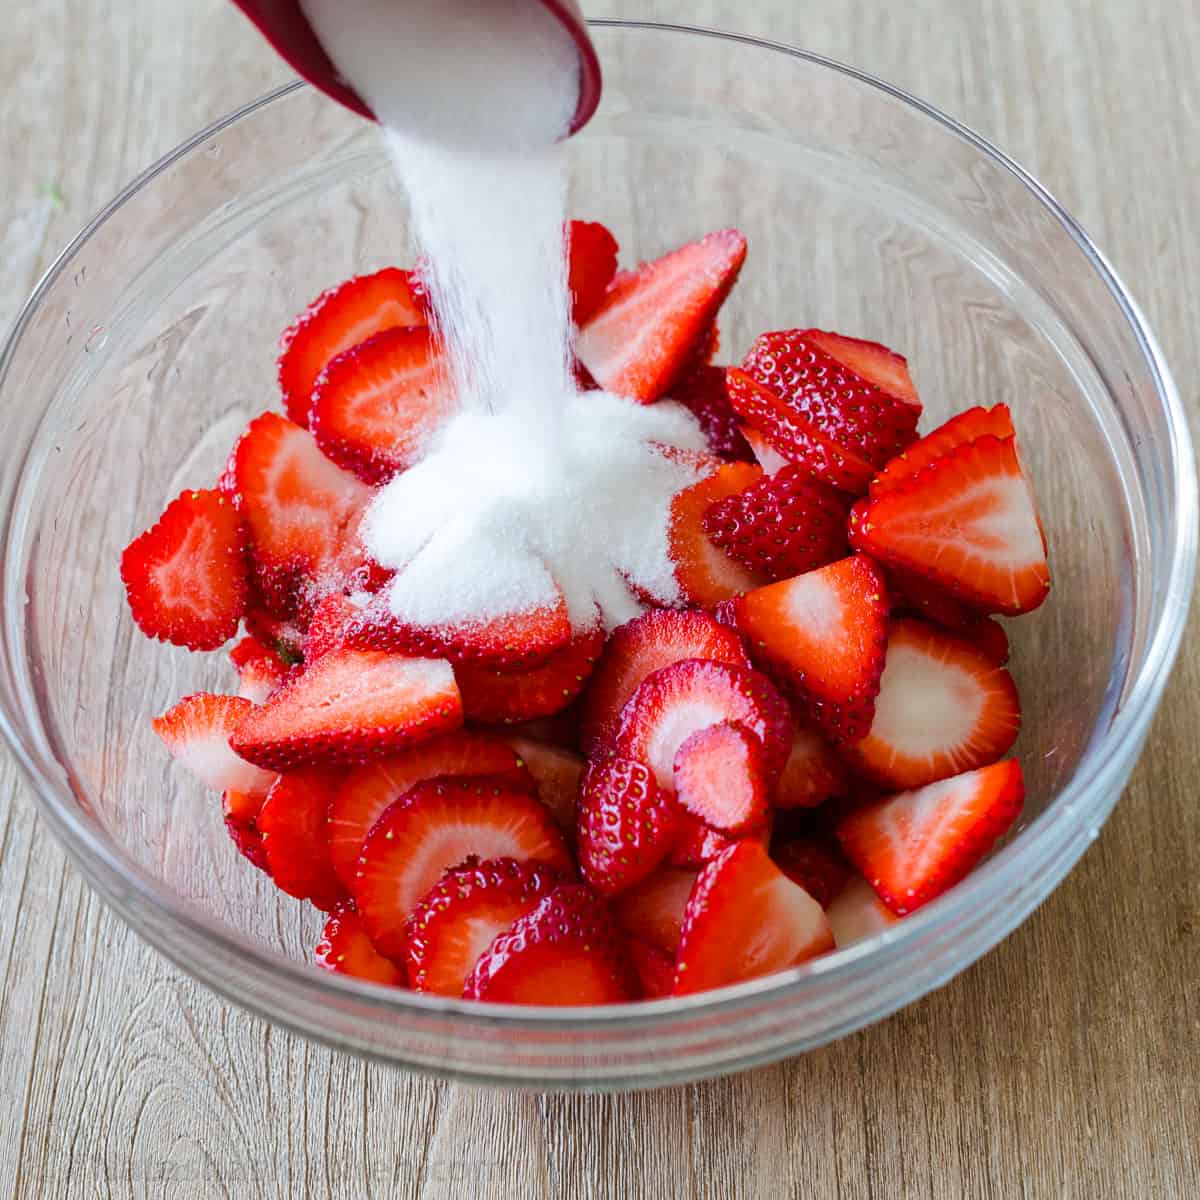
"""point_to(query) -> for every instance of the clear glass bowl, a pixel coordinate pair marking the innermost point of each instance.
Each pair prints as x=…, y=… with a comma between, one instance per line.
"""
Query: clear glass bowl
x=152, y=341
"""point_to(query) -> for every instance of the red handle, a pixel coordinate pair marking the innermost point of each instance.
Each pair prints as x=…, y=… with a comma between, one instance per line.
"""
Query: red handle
x=283, y=25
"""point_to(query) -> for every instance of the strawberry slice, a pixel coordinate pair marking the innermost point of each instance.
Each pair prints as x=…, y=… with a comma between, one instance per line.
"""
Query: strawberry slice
x=337, y=319
x=857, y=913
x=812, y=773
x=260, y=670
x=801, y=368
x=783, y=525
x=197, y=733
x=764, y=453
x=698, y=843
x=186, y=577
x=591, y=265
x=652, y=911
x=345, y=949
x=720, y=778
x=377, y=406
x=655, y=970
x=463, y=915
x=350, y=706
x=247, y=839
x=566, y=952
x=438, y=824
x=943, y=707
x=511, y=696
x=705, y=573
x=654, y=640
x=326, y=631
x=968, y=523
x=295, y=836
x=557, y=773
x=823, y=633
x=796, y=439
x=367, y=791
x=702, y=393
x=739, y=891
x=644, y=334
x=876, y=364
x=965, y=427
x=816, y=864
x=299, y=508
x=914, y=846
x=626, y=824
x=674, y=702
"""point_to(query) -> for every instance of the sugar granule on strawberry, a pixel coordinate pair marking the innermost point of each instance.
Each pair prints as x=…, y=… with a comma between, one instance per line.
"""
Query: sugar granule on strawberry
x=294, y=827
x=345, y=949
x=197, y=732
x=326, y=631
x=720, y=778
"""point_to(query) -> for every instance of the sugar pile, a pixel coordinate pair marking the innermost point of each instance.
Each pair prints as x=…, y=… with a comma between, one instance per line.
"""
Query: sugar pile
x=532, y=488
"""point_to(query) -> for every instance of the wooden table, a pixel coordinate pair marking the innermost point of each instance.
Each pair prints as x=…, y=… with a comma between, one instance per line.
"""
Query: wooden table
x=1066, y=1064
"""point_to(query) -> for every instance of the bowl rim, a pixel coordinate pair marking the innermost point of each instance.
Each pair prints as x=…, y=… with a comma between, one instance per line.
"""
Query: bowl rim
x=1060, y=833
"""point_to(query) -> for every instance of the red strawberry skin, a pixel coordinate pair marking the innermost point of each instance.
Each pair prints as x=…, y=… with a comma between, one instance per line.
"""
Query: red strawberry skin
x=197, y=732
x=702, y=393
x=870, y=361
x=626, y=824
x=721, y=779
x=699, y=843
x=816, y=864
x=295, y=836
x=591, y=265
x=345, y=949
x=567, y=951
x=918, y=597
x=186, y=577
x=339, y=318
x=652, y=911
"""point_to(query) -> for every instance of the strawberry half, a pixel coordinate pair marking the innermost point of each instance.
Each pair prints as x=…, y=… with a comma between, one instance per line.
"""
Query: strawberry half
x=720, y=778
x=857, y=913
x=463, y=915
x=655, y=970
x=705, y=573
x=654, y=640
x=652, y=911
x=377, y=406
x=676, y=701
x=591, y=265
x=557, y=773
x=350, y=706
x=337, y=319
x=914, y=846
x=260, y=670
x=743, y=890
x=294, y=832
x=186, y=577
x=968, y=523
x=439, y=824
x=943, y=707
x=796, y=439
x=783, y=525
x=645, y=332
x=824, y=634
x=702, y=393
x=345, y=949
x=197, y=733
x=567, y=951
x=816, y=864
x=626, y=824
x=812, y=773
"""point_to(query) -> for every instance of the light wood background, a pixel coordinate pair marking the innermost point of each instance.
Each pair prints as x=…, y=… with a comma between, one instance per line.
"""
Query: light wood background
x=1066, y=1064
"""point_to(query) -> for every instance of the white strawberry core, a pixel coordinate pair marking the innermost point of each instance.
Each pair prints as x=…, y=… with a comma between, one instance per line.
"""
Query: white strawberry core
x=209, y=757
x=922, y=821
x=816, y=607
x=1006, y=526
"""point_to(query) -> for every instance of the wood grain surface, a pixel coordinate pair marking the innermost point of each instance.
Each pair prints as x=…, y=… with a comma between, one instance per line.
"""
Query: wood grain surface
x=1065, y=1064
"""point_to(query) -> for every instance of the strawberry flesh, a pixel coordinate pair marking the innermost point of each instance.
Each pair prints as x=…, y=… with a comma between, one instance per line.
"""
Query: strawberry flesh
x=345, y=949
x=655, y=970
x=591, y=265
x=812, y=773
x=652, y=911
x=197, y=732
x=698, y=843
x=294, y=831
x=720, y=778
x=857, y=913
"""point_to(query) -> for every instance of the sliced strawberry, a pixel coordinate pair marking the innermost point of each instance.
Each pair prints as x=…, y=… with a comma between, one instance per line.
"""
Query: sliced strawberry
x=438, y=824
x=197, y=732
x=654, y=640
x=591, y=265
x=824, y=634
x=260, y=670
x=674, y=702
x=242, y=808
x=850, y=410
x=764, y=453
x=377, y=406
x=337, y=319
x=566, y=952
x=557, y=772
x=626, y=824
x=698, y=843
x=702, y=393
x=655, y=970
x=943, y=707
x=510, y=696
x=368, y=790
x=706, y=574
x=644, y=334
x=816, y=864
x=721, y=779
x=967, y=522
x=914, y=846
x=248, y=840
x=965, y=427
x=652, y=911
x=812, y=773
x=796, y=439
x=857, y=913
x=783, y=525
x=915, y=595
x=876, y=364
x=345, y=948
x=282, y=635
x=295, y=836
x=326, y=631
x=350, y=706
x=741, y=891
x=299, y=508
x=464, y=913
x=186, y=577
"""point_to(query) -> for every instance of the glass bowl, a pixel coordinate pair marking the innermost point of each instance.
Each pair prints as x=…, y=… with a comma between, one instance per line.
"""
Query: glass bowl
x=152, y=340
